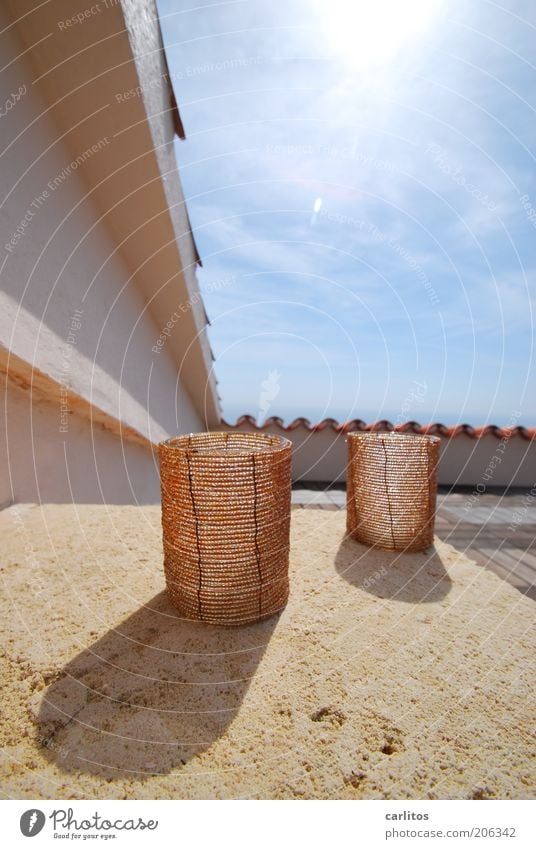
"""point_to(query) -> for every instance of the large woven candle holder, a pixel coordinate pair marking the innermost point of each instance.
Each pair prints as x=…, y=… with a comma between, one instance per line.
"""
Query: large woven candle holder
x=226, y=523
x=391, y=489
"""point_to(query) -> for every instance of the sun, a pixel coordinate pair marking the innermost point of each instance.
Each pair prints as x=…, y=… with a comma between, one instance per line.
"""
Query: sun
x=370, y=32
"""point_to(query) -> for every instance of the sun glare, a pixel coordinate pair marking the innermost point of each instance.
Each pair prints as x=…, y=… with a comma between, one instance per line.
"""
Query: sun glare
x=369, y=32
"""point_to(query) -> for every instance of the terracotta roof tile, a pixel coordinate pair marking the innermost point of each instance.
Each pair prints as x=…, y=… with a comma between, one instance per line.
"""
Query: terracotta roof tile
x=383, y=425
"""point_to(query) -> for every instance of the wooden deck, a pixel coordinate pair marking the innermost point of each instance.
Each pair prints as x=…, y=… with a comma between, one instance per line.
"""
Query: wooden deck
x=496, y=531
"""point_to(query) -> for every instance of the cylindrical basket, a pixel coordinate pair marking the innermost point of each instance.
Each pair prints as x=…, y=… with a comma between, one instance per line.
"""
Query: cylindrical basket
x=391, y=489
x=226, y=524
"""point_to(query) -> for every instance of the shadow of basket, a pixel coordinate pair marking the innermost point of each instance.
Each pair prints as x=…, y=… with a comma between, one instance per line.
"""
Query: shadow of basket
x=151, y=694
x=412, y=577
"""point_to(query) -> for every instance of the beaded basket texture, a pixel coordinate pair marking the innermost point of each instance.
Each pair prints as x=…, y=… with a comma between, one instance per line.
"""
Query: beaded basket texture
x=391, y=489
x=226, y=523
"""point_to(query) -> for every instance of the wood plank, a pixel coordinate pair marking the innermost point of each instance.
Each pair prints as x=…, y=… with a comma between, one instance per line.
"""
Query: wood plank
x=524, y=566
x=504, y=574
x=511, y=564
x=529, y=557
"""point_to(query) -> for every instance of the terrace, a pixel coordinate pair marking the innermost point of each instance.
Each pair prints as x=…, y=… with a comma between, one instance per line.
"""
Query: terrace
x=388, y=675
x=496, y=530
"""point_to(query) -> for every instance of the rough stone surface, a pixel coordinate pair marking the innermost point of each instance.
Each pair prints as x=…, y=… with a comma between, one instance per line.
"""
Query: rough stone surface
x=387, y=676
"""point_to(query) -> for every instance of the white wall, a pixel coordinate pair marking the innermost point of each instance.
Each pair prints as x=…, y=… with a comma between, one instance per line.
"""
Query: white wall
x=321, y=456
x=66, y=261
x=85, y=464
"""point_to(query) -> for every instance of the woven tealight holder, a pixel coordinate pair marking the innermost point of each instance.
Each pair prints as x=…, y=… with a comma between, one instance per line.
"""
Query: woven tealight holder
x=226, y=523
x=391, y=489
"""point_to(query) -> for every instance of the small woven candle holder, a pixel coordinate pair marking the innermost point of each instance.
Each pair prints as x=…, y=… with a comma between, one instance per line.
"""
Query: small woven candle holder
x=226, y=524
x=391, y=489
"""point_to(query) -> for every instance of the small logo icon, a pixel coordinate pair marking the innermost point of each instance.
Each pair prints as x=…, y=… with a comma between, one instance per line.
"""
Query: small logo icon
x=31, y=822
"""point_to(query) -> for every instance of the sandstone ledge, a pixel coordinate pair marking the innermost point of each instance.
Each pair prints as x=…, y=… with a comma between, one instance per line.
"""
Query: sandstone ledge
x=387, y=676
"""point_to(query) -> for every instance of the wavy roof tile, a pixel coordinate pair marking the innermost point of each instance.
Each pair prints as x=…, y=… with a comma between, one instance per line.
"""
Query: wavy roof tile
x=383, y=425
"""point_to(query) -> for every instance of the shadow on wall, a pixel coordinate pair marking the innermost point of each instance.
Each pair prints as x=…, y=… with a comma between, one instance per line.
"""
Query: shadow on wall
x=149, y=695
x=415, y=578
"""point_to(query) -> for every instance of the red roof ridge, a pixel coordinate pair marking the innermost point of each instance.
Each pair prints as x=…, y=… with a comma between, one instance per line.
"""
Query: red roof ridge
x=383, y=425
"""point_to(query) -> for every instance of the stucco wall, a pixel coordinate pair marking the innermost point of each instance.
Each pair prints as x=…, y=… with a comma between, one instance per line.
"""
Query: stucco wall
x=86, y=463
x=321, y=456
x=65, y=261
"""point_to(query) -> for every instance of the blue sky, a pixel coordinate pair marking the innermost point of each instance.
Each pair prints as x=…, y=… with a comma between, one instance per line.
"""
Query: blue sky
x=361, y=182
